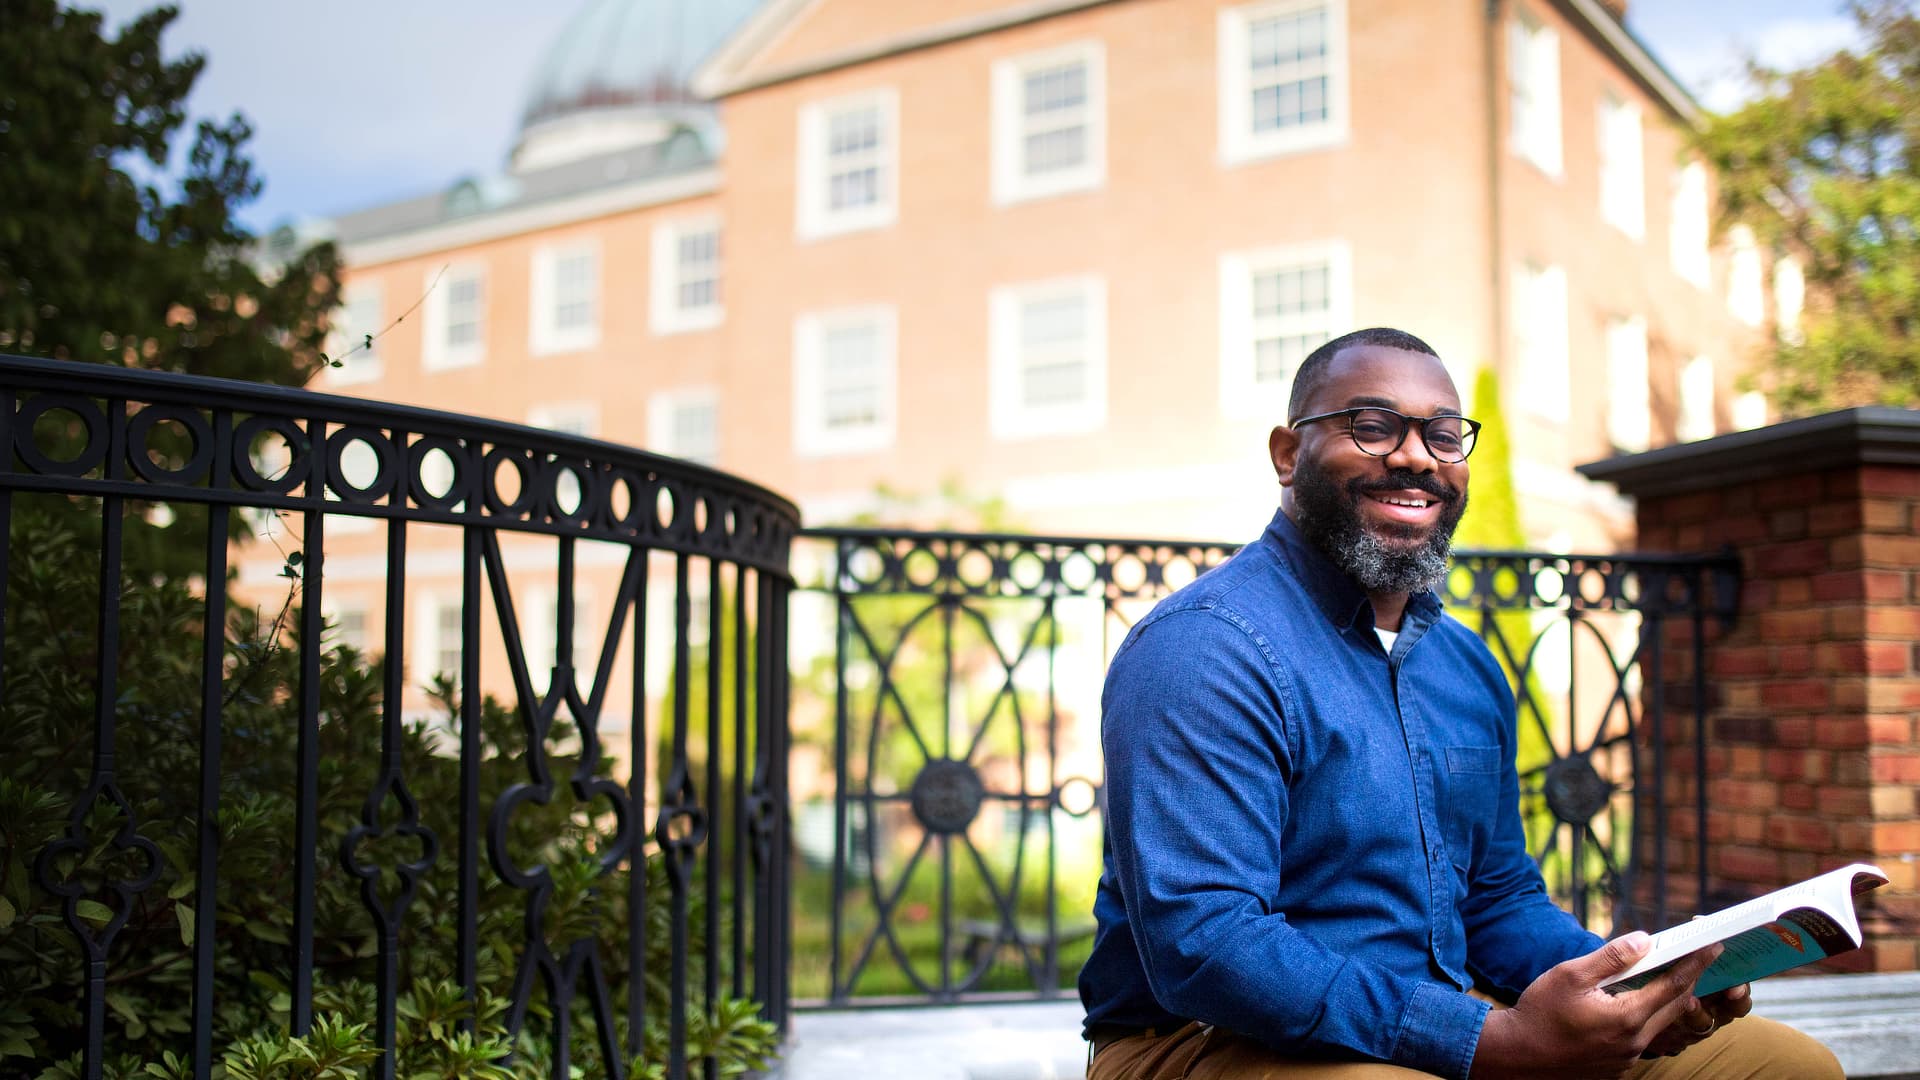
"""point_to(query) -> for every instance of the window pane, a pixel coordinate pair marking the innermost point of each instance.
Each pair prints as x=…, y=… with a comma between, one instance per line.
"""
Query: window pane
x=850, y=374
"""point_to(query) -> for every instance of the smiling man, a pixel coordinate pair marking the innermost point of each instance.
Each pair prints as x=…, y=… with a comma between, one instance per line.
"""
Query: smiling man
x=1315, y=865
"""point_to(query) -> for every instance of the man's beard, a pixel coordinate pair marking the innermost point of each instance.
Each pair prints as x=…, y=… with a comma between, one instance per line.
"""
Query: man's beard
x=1330, y=518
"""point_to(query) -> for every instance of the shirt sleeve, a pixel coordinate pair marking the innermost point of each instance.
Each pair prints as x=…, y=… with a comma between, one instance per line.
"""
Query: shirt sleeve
x=1514, y=930
x=1198, y=763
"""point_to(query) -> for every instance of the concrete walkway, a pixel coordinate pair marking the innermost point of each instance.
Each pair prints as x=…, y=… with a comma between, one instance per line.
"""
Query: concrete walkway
x=1872, y=1022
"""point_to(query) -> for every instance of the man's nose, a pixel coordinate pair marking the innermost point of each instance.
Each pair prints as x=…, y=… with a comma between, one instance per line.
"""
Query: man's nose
x=1412, y=454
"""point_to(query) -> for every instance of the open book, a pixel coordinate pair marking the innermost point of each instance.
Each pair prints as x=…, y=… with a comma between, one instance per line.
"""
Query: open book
x=1769, y=934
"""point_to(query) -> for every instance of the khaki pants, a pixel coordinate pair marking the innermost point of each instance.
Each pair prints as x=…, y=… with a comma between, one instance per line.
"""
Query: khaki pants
x=1751, y=1048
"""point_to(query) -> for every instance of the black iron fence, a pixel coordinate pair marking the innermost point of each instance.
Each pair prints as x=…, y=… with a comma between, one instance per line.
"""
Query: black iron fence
x=954, y=703
x=234, y=802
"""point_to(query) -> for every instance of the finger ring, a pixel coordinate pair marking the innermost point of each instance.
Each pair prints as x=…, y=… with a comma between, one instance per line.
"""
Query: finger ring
x=1712, y=1022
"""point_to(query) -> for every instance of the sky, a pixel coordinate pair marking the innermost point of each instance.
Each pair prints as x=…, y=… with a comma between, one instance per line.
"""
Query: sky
x=356, y=103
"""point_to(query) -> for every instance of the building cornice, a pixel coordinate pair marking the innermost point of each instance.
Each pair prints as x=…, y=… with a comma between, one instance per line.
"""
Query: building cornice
x=727, y=72
x=1869, y=435
x=514, y=220
x=1639, y=60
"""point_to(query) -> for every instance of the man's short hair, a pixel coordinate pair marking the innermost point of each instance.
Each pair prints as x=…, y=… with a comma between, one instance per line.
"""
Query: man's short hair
x=1313, y=370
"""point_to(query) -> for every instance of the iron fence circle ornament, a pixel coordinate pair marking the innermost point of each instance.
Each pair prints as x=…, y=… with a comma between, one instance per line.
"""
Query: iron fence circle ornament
x=946, y=796
x=1575, y=792
x=93, y=449
x=459, y=475
x=244, y=464
x=140, y=454
x=383, y=455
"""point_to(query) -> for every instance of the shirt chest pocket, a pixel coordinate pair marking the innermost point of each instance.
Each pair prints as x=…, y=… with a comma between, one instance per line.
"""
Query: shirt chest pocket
x=1472, y=798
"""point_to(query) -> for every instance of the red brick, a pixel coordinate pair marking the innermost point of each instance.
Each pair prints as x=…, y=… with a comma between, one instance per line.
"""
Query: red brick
x=1893, y=695
x=1890, y=801
x=1757, y=595
x=1690, y=537
x=1653, y=537
x=1834, y=518
x=1888, y=657
x=1896, y=768
x=1886, y=584
x=1893, y=551
x=1840, y=732
x=1793, y=731
x=1799, y=865
x=1792, y=558
x=1744, y=794
x=1797, y=764
x=1740, y=530
x=1737, y=499
x=1895, y=622
x=1740, y=660
x=1853, y=836
x=1792, y=693
x=1893, y=955
x=1896, y=837
x=1799, y=833
x=1889, y=480
x=1840, y=657
x=1845, y=803
x=1797, y=796
x=1849, y=693
x=1793, y=592
x=1883, y=516
x=1841, y=585
x=1747, y=864
x=1694, y=506
x=1787, y=524
x=1797, y=659
x=1748, y=762
x=1902, y=876
x=1792, y=625
x=1749, y=829
x=1889, y=730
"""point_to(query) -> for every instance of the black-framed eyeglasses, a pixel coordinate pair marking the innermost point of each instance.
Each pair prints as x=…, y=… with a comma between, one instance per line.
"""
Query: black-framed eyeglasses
x=1380, y=432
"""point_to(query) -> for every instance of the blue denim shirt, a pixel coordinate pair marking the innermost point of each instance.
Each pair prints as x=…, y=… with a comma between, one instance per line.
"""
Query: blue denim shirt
x=1312, y=842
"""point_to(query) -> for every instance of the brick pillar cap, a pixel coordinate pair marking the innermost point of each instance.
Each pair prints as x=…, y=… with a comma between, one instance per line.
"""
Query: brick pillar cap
x=1869, y=435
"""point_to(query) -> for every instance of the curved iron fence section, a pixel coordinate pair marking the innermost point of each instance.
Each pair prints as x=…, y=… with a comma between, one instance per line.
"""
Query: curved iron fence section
x=705, y=792
x=948, y=876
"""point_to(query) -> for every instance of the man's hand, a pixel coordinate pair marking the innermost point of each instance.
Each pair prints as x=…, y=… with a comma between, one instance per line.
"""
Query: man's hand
x=1716, y=1010
x=1566, y=1026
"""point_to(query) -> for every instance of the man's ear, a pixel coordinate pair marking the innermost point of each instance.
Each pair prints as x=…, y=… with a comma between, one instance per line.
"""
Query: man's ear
x=1283, y=446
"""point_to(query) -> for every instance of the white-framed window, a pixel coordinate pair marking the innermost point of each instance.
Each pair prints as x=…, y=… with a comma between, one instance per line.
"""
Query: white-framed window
x=1750, y=411
x=539, y=619
x=566, y=417
x=844, y=381
x=1049, y=122
x=1629, y=412
x=1276, y=306
x=456, y=319
x=1543, y=362
x=1282, y=77
x=1688, y=236
x=1696, y=400
x=349, y=619
x=686, y=275
x=1623, y=170
x=436, y=638
x=1789, y=299
x=1047, y=362
x=849, y=168
x=685, y=424
x=1533, y=71
x=1746, y=277
x=362, y=306
x=565, y=298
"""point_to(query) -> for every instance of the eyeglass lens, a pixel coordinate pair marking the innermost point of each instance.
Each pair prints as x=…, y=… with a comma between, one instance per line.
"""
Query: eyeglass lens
x=1380, y=432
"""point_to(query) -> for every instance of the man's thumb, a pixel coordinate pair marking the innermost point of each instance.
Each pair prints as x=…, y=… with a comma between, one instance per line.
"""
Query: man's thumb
x=1616, y=956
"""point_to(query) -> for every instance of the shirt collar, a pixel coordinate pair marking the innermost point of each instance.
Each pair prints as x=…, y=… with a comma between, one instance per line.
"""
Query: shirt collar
x=1339, y=597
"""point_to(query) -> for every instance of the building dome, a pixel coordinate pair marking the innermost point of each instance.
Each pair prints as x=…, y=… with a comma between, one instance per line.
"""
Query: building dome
x=618, y=75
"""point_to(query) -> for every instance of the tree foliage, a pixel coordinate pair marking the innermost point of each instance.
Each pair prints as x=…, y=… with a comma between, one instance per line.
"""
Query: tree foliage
x=105, y=255
x=1825, y=164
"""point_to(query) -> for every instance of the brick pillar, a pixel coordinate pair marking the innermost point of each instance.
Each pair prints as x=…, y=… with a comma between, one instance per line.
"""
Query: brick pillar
x=1813, y=695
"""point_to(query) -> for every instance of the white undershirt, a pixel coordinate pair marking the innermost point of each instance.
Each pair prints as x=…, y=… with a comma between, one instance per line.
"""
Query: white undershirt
x=1387, y=638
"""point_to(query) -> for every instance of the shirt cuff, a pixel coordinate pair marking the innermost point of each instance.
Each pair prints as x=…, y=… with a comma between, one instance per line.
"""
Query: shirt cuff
x=1440, y=1031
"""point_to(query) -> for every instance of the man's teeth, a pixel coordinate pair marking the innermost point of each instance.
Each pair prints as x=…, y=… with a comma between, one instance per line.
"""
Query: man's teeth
x=1419, y=504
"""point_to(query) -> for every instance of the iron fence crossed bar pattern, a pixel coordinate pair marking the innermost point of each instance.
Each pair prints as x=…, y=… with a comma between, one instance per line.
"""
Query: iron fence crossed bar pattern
x=75, y=432
x=899, y=597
